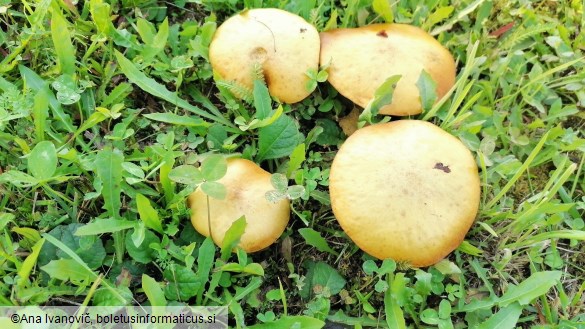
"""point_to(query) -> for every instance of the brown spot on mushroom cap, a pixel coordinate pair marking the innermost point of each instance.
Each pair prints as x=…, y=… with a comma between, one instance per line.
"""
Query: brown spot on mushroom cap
x=246, y=185
x=363, y=58
x=368, y=199
x=271, y=37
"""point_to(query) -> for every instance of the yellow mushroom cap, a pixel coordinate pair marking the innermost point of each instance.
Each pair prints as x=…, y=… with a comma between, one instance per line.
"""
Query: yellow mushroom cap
x=363, y=58
x=405, y=190
x=246, y=185
x=283, y=43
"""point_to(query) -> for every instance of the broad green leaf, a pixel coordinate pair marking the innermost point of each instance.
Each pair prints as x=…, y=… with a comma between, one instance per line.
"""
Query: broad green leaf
x=153, y=291
x=394, y=314
x=506, y=318
x=278, y=139
x=117, y=95
x=315, y=239
x=182, y=283
x=146, y=30
x=296, y=159
x=427, y=88
x=147, y=213
x=154, y=88
x=178, y=120
x=262, y=101
x=62, y=43
x=158, y=43
x=112, y=296
x=205, y=261
x=67, y=270
x=215, y=190
x=289, y=321
x=214, y=167
x=441, y=13
x=108, y=164
x=382, y=96
x=29, y=263
x=104, y=225
x=42, y=160
x=142, y=253
x=325, y=276
x=232, y=237
x=18, y=178
x=536, y=285
x=383, y=8
x=186, y=174
x=101, y=16
x=88, y=250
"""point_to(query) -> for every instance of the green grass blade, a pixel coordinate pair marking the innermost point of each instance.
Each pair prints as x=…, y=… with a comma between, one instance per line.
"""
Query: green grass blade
x=154, y=88
x=62, y=41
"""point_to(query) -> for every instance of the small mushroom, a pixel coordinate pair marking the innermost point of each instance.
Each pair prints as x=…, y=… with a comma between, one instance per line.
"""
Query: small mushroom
x=405, y=190
x=246, y=184
x=363, y=58
x=282, y=43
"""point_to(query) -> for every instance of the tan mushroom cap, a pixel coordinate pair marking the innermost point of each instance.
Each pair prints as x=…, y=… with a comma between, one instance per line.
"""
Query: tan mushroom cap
x=405, y=190
x=363, y=58
x=246, y=185
x=283, y=43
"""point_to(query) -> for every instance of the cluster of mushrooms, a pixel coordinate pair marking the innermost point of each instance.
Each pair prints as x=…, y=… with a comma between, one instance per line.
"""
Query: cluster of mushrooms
x=405, y=190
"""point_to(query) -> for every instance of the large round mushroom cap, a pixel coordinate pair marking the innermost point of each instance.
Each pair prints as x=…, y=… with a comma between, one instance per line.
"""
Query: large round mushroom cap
x=246, y=185
x=363, y=58
x=284, y=44
x=405, y=190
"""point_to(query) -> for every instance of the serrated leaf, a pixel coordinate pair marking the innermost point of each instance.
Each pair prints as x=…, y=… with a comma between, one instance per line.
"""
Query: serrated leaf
x=42, y=160
x=177, y=120
x=91, y=254
x=104, y=225
x=315, y=239
x=153, y=291
x=214, y=167
x=534, y=286
x=382, y=96
x=186, y=174
x=427, y=88
x=262, y=101
x=214, y=189
x=321, y=274
x=204, y=264
x=108, y=164
x=148, y=214
x=278, y=139
x=182, y=283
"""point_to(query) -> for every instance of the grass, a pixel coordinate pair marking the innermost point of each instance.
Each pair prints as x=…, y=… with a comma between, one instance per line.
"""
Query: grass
x=106, y=106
